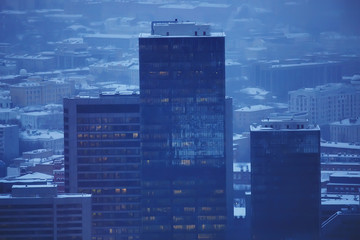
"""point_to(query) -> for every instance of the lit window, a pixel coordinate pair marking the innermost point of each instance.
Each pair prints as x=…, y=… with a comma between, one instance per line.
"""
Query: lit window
x=163, y=73
x=185, y=162
x=177, y=191
x=177, y=227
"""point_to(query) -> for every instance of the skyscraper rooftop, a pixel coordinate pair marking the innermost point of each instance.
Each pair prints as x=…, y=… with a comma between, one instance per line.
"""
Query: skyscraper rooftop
x=284, y=123
x=180, y=29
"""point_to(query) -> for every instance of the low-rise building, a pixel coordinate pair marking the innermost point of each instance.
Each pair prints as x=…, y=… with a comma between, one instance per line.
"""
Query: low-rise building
x=326, y=103
x=281, y=77
x=37, y=139
x=40, y=212
x=344, y=183
x=32, y=63
x=340, y=148
x=346, y=130
x=42, y=120
x=40, y=92
x=8, y=115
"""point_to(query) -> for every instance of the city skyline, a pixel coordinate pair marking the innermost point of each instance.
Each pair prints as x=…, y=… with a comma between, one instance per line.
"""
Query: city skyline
x=179, y=120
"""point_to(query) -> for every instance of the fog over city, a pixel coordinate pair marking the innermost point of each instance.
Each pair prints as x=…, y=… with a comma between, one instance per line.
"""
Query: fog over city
x=167, y=119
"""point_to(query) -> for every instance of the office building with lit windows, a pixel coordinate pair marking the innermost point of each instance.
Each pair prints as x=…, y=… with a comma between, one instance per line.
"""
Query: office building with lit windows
x=102, y=158
x=183, y=108
x=285, y=180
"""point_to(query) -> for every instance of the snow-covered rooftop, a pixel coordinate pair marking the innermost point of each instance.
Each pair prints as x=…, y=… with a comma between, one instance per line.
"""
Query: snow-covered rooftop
x=254, y=108
x=41, y=134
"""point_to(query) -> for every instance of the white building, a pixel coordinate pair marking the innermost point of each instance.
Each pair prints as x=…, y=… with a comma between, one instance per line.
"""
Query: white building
x=347, y=130
x=40, y=212
x=36, y=139
x=42, y=120
x=326, y=103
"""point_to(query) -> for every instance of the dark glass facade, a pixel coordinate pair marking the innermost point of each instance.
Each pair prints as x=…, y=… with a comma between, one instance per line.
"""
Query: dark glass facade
x=182, y=99
x=102, y=158
x=285, y=184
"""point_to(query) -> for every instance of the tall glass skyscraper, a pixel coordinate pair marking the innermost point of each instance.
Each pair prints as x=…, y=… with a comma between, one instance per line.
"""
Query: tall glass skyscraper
x=285, y=180
x=182, y=105
x=102, y=158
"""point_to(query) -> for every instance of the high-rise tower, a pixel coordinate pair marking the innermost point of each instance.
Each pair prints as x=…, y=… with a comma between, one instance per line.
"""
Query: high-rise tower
x=285, y=180
x=182, y=105
x=102, y=158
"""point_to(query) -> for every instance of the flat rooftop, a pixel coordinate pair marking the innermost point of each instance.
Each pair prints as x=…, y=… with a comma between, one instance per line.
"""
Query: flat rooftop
x=284, y=124
x=180, y=29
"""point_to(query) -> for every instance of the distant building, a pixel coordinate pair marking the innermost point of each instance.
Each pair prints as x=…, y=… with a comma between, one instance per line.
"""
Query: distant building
x=280, y=78
x=8, y=115
x=102, y=157
x=35, y=178
x=5, y=100
x=40, y=93
x=42, y=120
x=71, y=53
x=128, y=71
x=241, y=185
x=9, y=142
x=32, y=63
x=7, y=67
x=285, y=180
x=246, y=116
x=344, y=183
x=42, y=139
x=240, y=230
x=59, y=179
x=40, y=212
x=2, y=169
x=38, y=153
x=346, y=130
x=326, y=103
x=123, y=41
x=342, y=158
x=340, y=148
x=241, y=147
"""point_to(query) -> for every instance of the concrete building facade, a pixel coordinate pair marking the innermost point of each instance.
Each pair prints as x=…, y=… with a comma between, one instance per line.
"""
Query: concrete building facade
x=346, y=130
x=326, y=103
x=40, y=93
